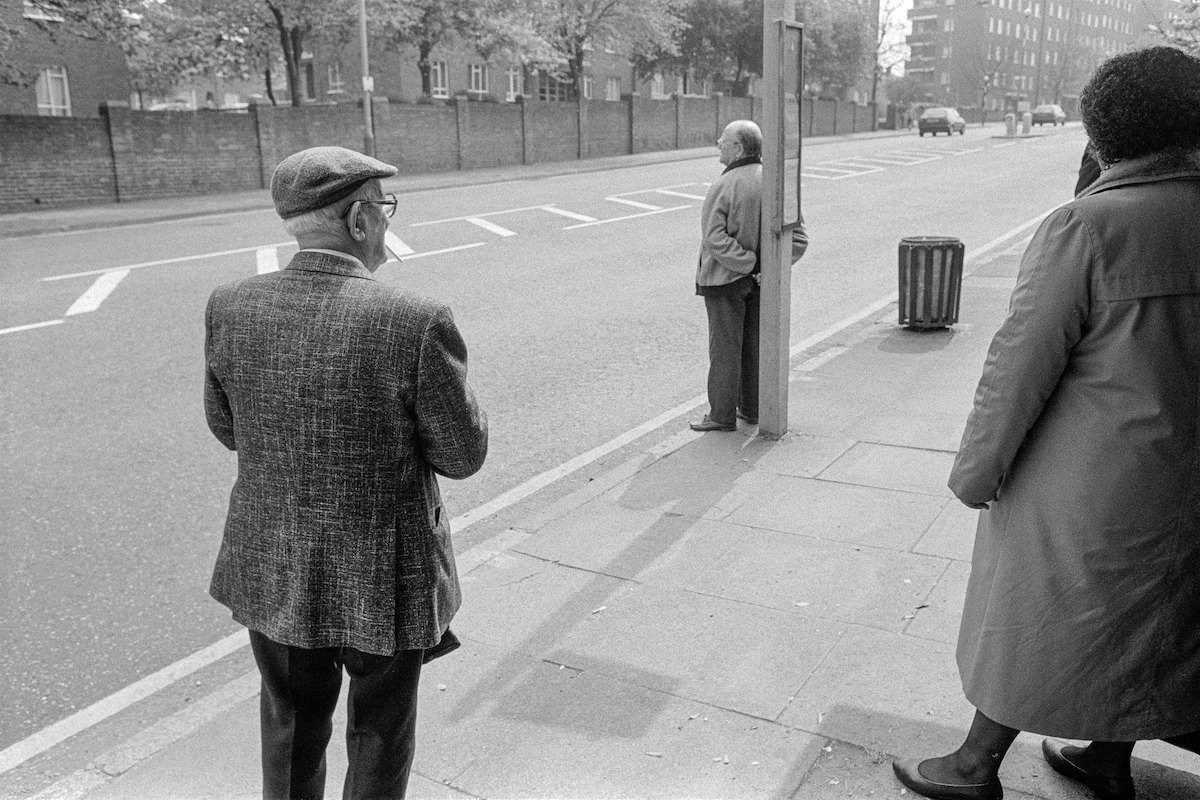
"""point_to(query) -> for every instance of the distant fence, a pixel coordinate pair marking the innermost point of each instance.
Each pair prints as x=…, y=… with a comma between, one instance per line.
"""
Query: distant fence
x=137, y=155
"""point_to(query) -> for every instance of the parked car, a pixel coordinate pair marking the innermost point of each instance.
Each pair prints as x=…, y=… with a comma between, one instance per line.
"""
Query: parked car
x=1049, y=113
x=941, y=120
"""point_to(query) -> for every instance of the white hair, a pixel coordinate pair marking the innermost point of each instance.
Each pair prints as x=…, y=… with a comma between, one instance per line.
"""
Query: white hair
x=327, y=220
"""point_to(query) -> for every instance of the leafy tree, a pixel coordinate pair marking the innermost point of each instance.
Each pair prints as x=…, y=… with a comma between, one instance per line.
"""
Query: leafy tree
x=297, y=20
x=840, y=43
x=908, y=90
x=644, y=29
x=423, y=24
x=1181, y=28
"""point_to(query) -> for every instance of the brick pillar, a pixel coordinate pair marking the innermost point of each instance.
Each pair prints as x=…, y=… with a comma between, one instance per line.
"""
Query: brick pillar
x=460, y=125
x=524, y=128
x=678, y=117
x=264, y=129
x=119, y=124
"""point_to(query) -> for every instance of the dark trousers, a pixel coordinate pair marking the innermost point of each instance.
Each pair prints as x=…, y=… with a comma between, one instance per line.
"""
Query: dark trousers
x=299, y=693
x=733, y=353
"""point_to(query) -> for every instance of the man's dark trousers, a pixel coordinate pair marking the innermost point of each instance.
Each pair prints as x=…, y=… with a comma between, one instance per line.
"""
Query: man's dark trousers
x=733, y=352
x=299, y=693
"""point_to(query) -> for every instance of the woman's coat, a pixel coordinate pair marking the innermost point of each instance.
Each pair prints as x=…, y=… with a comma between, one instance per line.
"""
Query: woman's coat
x=1082, y=616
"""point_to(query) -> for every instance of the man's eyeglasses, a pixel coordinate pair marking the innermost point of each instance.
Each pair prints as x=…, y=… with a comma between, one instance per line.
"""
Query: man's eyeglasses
x=388, y=204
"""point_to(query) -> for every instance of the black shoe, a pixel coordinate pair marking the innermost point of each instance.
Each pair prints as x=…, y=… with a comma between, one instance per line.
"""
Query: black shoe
x=709, y=424
x=1104, y=788
x=748, y=420
x=909, y=773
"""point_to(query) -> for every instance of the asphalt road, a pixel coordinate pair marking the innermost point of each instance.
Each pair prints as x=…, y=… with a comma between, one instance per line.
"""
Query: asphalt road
x=575, y=297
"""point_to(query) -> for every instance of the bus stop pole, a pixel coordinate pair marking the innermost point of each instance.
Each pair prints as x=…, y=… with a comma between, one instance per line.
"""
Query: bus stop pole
x=776, y=288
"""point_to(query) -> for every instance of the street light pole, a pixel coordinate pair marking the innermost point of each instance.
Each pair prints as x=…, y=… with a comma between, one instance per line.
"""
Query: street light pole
x=368, y=83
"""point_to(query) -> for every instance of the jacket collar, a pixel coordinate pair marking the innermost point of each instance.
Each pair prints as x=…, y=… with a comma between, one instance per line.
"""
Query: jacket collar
x=330, y=261
x=1162, y=166
x=741, y=162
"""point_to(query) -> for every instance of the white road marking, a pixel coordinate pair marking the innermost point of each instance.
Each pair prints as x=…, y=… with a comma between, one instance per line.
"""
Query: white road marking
x=964, y=152
x=117, y=761
x=30, y=326
x=396, y=245
x=1006, y=144
x=161, y=262
x=48, y=737
x=628, y=216
x=267, y=259
x=444, y=250
x=568, y=214
x=634, y=203
x=96, y=294
x=489, y=226
x=862, y=169
x=674, y=193
x=477, y=216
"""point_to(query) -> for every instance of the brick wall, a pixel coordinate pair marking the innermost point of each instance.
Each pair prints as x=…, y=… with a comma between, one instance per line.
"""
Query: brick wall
x=607, y=129
x=653, y=124
x=490, y=134
x=421, y=137
x=178, y=153
x=128, y=154
x=54, y=161
x=551, y=132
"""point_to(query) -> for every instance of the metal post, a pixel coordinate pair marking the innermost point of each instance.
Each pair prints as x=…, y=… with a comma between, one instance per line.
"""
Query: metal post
x=1037, y=75
x=368, y=84
x=776, y=297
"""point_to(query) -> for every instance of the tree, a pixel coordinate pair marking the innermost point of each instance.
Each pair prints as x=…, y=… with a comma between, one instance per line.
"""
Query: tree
x=423, y=24
x=890, y=48
x=1181, y=28
x=296, y=20
x=644, y=29
x=840, y=43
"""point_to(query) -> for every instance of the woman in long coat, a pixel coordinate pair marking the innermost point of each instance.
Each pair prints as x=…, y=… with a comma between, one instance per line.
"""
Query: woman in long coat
x=1082, y=615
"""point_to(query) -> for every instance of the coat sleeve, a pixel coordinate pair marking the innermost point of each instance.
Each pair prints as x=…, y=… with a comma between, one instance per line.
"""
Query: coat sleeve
x=216, y=402
x=452, y=428
x=1028, y=355
x=719, y=242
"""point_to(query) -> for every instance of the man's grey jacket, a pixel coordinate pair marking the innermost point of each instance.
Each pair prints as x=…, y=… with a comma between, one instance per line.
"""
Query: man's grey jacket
x=342, y=397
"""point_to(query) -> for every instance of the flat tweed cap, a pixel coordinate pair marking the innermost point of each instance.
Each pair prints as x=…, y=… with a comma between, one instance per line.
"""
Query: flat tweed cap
x=321, y=176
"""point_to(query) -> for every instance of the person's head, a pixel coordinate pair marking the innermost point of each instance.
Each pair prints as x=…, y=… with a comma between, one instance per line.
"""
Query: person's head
x=740, y=139
x=331, y=197
x=1142, y=102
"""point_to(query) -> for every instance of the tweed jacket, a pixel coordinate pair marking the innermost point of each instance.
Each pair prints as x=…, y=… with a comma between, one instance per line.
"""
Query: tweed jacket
x=342, y=397
x=730, y=218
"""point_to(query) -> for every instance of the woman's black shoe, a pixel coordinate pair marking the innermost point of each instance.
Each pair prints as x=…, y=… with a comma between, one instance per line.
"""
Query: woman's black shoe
x=1105, y=788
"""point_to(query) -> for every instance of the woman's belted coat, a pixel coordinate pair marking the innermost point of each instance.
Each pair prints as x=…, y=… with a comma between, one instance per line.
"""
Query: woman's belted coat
x=1082, y=615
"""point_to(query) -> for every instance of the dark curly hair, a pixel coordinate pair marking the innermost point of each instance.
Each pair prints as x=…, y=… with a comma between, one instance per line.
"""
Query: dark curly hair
x=1142, y=102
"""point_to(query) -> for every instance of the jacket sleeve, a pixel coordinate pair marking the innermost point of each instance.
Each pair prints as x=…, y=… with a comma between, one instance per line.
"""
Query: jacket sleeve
x=450, y=425
x=1028, y=355
x=216, y=403
x=718, y=240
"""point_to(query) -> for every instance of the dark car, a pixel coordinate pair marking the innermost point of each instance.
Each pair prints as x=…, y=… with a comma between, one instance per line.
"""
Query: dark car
x=941, y=120
x=1049, y=114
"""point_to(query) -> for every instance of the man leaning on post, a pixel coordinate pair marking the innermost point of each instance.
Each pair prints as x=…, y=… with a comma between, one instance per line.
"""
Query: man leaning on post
x=728, y=276
x=342, y=397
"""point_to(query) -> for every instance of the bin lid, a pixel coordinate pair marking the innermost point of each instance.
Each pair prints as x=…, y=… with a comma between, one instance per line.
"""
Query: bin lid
x=928, y=240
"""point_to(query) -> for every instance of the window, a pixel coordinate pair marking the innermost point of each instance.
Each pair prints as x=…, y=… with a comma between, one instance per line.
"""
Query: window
x=477, y=78
x=552, y=88
x=587, y=87
x=656, y=86
x=334, y=73
x=439, y=79
x=516, y=84
x=53, y=93
x=948, y=25
x=612, y=88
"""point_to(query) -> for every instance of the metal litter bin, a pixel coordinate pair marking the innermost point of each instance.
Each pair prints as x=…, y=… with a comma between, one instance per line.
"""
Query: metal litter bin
x=930, y=281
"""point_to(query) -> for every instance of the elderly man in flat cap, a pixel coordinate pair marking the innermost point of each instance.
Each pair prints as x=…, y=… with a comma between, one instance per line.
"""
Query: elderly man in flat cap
x=343, y=398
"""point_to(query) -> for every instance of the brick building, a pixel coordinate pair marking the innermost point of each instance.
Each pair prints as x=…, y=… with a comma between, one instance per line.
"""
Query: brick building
x=1008, y=55
x=69, y=76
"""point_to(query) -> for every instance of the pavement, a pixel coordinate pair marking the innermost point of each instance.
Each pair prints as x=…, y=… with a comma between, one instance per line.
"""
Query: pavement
x=719, y=616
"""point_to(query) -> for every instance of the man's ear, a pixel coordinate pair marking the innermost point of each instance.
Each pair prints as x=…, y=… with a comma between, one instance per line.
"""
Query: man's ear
x=352, y=222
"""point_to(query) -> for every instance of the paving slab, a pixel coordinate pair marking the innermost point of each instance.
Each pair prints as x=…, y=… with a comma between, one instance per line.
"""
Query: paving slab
x=952, y=534
x=567, y=734
x=939, y=618
x=834, y=511
x=906, y=469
